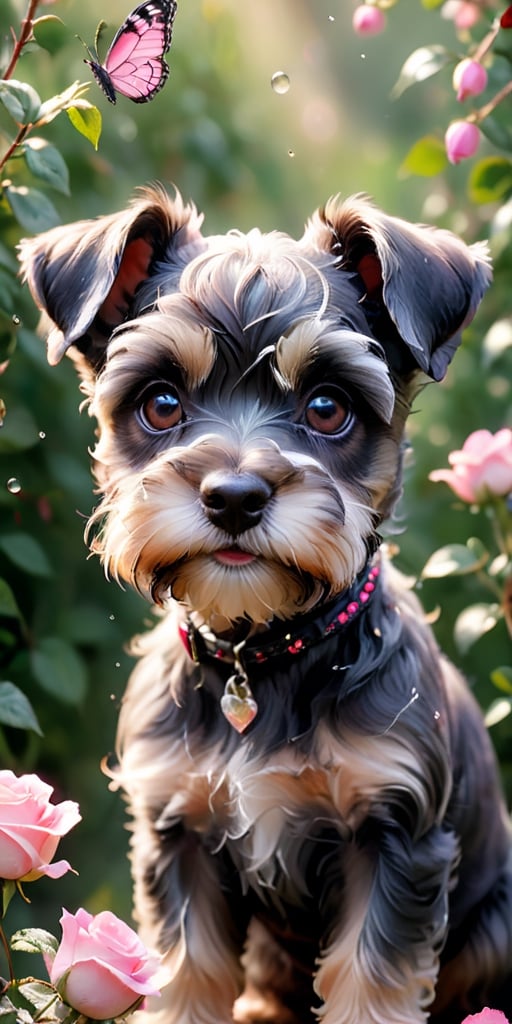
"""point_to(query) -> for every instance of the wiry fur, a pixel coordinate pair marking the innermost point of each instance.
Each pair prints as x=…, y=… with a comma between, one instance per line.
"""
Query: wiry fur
x=346, y=858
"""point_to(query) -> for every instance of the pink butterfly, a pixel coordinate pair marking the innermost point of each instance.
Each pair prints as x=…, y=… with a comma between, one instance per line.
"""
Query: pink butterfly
x=135, y=65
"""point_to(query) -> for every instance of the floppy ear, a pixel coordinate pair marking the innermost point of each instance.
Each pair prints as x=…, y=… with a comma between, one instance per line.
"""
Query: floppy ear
x=423, y=283
x=84, y=276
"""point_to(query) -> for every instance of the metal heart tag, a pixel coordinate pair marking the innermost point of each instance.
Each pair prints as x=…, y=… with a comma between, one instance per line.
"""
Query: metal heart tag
x=237, y=703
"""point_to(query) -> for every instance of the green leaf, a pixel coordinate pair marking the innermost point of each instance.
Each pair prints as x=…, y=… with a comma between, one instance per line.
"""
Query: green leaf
x=456, y=560
x=50, y=32
x=31, y=208
x=490, y=180
x=59, y=670
x=8, y=891
x=35, y=940
x=16, y=710
x=8, y=606
x=473, y=623
x=46, y=162
x=7, y=335
x=497, y=711
x=21, y=101
x=26, y=552
x=19, y=431
x=420, y=65
x=502, y=678
x=431, y=5
x=426, y=158
x=87, y=120
x=498, y=129
x=497, y=340
x=40, y=994
x=8, y=1011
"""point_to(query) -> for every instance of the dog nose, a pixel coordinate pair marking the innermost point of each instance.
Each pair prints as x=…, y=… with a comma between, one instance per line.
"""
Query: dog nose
x=234, y=501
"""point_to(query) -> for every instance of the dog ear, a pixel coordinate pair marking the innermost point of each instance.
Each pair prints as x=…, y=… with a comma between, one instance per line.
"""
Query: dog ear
x=425, y=280
x=84, y=276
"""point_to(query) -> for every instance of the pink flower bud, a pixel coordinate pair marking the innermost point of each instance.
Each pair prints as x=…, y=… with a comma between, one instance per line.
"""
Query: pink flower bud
x=101, y=967
x=469, y=79
x=462, y=140
x=368, y=20
x=464, y=13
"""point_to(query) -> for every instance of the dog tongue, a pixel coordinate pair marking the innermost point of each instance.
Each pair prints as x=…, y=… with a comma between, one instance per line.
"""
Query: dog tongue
x=233, y=556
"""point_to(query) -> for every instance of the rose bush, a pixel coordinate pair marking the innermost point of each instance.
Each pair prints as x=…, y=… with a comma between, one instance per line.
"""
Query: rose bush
x=31, y=828
x=482, y=469
x=101, y=967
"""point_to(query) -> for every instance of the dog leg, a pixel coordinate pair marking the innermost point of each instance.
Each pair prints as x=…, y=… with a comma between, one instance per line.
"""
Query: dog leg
x=381, y=965
x=278, y=988
x=180, y=903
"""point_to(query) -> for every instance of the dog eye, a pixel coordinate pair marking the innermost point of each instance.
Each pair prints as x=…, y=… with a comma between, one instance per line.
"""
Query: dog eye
x=161, y=410
x=328, y=412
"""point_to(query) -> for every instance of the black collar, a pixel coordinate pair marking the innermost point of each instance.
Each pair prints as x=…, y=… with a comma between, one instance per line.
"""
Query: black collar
x=284, y=639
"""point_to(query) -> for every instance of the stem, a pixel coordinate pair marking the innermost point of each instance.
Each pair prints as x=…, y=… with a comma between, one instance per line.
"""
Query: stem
x=23, y=131
x=7, y=952
x=487, y=42
x=25, y=33
x=502, y=522
x=489, y=107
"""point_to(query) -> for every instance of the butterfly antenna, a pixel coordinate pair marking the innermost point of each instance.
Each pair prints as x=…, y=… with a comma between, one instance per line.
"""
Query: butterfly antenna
x=88, y=50
x=101, y=26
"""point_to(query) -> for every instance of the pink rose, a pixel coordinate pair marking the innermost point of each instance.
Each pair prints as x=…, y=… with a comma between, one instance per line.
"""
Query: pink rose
x=482, y=470
x=486, y=1016
x=469, y=79
x=462, y=140
x=368, y=20
x=101, y=967
x=31, y=828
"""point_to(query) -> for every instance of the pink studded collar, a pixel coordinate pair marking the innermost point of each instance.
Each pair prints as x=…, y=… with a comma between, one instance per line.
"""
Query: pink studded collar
x=287, y=640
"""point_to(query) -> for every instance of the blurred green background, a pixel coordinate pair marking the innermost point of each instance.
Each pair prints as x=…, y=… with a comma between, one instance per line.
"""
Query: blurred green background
x=247, y=156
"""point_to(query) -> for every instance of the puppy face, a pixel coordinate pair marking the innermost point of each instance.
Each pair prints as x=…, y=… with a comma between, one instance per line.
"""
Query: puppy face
x=251, y=411
x=246, y=447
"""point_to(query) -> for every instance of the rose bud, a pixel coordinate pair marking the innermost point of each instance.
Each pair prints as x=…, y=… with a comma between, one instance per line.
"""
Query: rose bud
x=368, y=20
x=462, y=140
x=101, y=967
x=469, y=79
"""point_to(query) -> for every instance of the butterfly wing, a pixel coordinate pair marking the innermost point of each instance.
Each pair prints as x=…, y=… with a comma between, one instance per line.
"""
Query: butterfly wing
x=135, y=65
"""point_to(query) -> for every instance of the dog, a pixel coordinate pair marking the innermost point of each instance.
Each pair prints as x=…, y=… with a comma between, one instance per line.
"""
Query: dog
x=318, y=827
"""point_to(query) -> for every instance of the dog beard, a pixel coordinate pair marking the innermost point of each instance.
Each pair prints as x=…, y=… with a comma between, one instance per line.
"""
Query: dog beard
x=155, y=536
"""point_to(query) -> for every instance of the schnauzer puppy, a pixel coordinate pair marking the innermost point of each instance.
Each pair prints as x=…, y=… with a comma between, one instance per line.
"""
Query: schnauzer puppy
x=318, y=827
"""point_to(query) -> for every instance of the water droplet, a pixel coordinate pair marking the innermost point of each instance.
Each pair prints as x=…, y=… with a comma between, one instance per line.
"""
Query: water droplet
x=16, y=320
x=291, y=154
x=331, y=17
x=111, y=617
x=280, y=82
x=437, y=715
x=363, y=56
x=113, y=696
x=118, y=664
x=13, y=485
x=42, y=435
